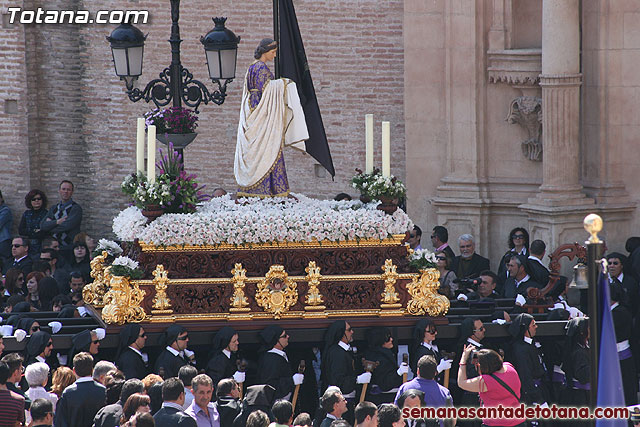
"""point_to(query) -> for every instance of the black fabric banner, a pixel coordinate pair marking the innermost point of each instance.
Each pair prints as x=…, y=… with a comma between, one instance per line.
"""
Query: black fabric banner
x=293, y=65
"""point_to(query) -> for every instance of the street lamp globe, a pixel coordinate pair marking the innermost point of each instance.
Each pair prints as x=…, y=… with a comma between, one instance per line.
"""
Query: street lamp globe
x=127, y=46
x=221, y=49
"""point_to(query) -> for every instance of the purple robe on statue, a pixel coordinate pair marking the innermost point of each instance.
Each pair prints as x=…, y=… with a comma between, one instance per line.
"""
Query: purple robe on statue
x=275, y=182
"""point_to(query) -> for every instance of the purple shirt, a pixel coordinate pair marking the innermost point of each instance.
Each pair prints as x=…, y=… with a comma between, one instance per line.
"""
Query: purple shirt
x=202, y=420
x=435, y=395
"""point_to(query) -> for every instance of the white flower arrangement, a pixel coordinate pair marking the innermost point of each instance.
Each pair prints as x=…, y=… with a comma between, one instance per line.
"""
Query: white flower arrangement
x=125, y=266
x=128, y=223
x=253, y=220
x=125, y=261
x=388, y=186
x=111, y=247
x=422, y=258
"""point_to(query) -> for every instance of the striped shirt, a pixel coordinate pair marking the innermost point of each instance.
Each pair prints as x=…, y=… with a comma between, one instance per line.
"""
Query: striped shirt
x=11, y=408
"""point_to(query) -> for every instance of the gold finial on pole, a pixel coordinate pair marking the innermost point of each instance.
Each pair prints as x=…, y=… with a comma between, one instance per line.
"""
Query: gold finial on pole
x=593, y=225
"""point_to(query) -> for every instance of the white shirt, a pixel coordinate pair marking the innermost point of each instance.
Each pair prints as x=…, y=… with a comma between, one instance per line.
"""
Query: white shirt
x=41, y=359
x=524, y=279
x=144, y=356
x=539, y=261
x=432, y=347
x=614, y=305
x=620, y=277
x=344, y=345
x=18, y=260
x=226, y=353
x=173, y=351
x=84, y=379
x=40, y=393
x=279, y=353
x=475, y=343
x=172, y=405
x=528, y=340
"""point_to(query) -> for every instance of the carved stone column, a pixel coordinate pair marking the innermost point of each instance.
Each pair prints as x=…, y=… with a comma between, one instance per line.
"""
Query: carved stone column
x=561, y=138
x=556, y=212
x=560, y=81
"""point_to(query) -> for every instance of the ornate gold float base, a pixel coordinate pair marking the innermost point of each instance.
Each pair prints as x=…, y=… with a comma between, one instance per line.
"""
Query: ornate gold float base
x=276, y=294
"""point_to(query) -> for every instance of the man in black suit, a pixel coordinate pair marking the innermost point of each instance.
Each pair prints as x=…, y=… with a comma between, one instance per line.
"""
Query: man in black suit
x=173, y=357
x=171, y=414
x=223, y=362
x=228, y=401
x=337, y=361
x=81, y=401
x=274, y=368
x=519, y=279
x=616, y=266
x=468, y=264
x=130, y=359
x=539, y=272
x=41, y=412
x=439, y=239
x=21, y=259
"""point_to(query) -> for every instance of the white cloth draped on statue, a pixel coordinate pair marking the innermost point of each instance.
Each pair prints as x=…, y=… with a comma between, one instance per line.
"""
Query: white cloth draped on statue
x=277, y=121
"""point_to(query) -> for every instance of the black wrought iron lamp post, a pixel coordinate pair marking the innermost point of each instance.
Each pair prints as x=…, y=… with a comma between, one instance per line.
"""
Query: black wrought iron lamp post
x=176, y=83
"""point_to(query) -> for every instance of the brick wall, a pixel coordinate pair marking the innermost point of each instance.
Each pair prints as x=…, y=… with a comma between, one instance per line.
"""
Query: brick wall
x=76, y=122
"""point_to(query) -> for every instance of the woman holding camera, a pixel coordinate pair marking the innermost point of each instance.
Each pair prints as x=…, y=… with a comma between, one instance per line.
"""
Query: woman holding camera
x=497, y=384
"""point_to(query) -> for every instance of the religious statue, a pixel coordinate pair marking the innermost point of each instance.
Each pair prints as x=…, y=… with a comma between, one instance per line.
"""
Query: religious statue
x=271, y=118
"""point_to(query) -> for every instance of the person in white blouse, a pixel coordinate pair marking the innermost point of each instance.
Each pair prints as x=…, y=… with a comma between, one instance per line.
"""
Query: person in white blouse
x=37, y=376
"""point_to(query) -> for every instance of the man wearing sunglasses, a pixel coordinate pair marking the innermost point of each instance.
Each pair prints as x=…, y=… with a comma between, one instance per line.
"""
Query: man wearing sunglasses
x=274, y=368
x=130, y=359
x=338, y=363
x=20, y=253
x=175, y=355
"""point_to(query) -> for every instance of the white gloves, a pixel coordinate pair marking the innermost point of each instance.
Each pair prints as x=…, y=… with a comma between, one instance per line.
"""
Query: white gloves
x=444, y=365
x=20, y=335
x=364, y=378
x=574, y=312
x=520, y=300
x=62, y=358
x=462, y=297
x=298, y=379
x=56, y=326
x=499, y=321
x=100, y=333
x=188, y=353
x=6, y=330
x=239, y=377
x=403, y=369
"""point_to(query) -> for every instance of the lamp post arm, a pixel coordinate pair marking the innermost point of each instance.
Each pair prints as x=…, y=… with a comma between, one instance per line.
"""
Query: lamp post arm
x=157, y=90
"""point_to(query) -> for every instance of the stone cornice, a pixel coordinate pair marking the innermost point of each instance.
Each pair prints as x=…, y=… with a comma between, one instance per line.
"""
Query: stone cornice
x=520, y=67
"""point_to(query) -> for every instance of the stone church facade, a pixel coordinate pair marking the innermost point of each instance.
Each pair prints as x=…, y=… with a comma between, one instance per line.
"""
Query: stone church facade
x=503, y=113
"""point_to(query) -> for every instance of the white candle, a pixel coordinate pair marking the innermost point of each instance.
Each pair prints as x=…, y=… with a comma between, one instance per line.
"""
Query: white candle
x=140, y=146
x=386, y=149
x=368, y=119
x=151, y=153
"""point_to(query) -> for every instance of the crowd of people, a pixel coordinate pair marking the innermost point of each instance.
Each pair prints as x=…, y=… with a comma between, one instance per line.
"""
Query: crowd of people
x=178, y=389
x=46, y=266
